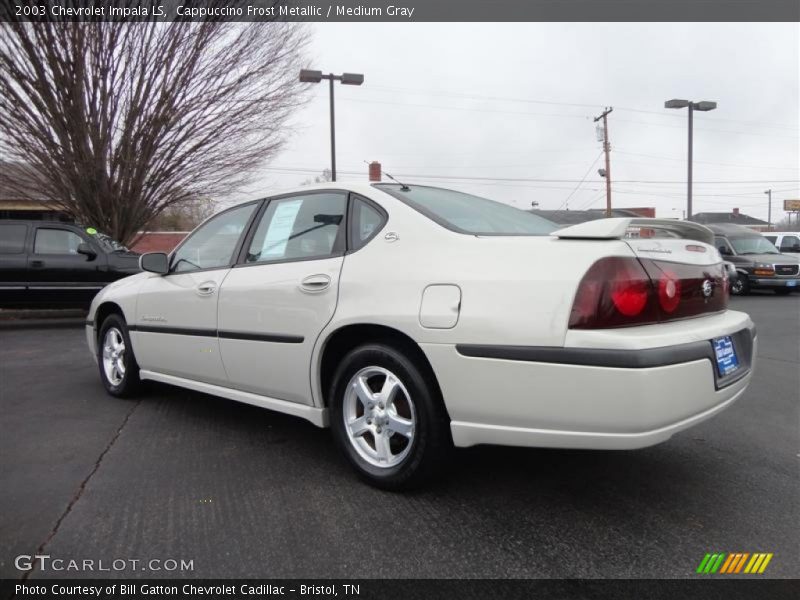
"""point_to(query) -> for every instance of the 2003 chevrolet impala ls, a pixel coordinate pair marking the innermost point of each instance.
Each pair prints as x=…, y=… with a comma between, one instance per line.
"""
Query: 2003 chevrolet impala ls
x=412, y=318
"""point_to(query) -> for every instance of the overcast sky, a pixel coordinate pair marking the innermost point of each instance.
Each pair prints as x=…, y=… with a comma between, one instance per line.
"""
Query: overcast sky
x=506, y=102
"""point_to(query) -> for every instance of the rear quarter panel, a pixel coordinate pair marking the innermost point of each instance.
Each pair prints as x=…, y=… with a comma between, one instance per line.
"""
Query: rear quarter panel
x=514, y=289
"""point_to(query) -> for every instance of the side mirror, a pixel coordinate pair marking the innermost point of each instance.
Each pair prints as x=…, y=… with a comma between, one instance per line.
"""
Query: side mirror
x=86, y=250
x=154, y=262
x=724, y=250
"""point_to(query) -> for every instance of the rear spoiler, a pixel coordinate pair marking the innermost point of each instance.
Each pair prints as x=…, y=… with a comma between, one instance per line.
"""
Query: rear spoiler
x=617, y=228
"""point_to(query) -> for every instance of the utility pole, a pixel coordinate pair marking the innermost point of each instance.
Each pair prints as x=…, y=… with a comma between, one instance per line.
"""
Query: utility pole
x=607, y=150
x=769, y=210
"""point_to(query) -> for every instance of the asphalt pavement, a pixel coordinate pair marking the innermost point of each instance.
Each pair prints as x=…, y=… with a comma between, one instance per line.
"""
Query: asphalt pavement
x=245, y=492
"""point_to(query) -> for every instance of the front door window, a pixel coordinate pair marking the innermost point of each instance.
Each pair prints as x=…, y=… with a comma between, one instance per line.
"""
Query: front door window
x=213, y=244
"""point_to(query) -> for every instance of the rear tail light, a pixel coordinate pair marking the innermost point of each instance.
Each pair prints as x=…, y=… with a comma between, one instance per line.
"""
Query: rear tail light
x=626, y=291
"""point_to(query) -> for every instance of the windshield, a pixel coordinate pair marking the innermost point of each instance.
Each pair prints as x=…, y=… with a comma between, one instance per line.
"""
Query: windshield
x=753, y=245
x=466, y=213
x=109, y=244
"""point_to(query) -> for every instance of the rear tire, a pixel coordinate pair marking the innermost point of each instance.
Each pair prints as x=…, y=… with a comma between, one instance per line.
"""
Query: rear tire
x=387, y=419
x=119, y=370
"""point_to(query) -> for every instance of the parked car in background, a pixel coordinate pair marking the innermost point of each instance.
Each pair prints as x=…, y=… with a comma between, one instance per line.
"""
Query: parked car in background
x=57, y=265
x=411, y=318
x=787, y=242
x=759, y=263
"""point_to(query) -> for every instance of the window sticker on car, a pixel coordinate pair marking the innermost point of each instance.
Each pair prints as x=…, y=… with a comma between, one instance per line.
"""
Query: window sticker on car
x=280, y=228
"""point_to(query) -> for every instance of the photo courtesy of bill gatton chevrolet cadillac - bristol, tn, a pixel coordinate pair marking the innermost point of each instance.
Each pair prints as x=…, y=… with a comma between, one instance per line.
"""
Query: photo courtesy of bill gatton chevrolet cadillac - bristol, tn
x=410, y=319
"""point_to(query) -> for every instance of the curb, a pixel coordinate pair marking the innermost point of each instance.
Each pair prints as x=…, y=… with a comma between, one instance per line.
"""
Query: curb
x=62, y=323
x=41, y=318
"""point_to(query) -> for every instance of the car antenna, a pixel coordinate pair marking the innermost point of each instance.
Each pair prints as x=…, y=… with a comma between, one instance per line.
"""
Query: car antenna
x=403, y=186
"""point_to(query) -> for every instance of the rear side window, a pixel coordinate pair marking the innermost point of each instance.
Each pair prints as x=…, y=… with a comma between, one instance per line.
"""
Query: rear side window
x=56, y=241
x=365, y=222
x=300, y=227
x=771, y=238
x=12, y=238
x=790, y=243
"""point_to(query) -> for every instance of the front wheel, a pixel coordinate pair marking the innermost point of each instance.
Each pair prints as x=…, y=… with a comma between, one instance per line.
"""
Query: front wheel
x=119, y=371
x=387, y=419
x=740, y=287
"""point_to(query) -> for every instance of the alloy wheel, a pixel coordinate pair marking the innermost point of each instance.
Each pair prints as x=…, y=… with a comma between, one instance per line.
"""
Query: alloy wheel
x=114, y=356
x=379, y=417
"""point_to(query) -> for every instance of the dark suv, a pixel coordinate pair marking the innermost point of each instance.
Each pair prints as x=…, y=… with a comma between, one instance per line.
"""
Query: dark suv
x=53, y=264
x=757, y=261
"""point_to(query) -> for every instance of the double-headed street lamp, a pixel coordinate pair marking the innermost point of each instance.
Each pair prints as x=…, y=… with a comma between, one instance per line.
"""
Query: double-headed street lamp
x=703, y=106
x=308, y=76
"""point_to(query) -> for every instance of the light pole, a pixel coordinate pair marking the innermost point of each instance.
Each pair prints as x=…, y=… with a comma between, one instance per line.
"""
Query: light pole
x=703, y=106
x=769, y=213
x=308, y=76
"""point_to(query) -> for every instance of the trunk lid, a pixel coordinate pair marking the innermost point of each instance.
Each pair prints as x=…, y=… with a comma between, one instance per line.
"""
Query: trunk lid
x=688, y=252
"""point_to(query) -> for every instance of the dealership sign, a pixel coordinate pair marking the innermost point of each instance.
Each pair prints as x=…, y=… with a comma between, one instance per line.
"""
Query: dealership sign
x=791, y=205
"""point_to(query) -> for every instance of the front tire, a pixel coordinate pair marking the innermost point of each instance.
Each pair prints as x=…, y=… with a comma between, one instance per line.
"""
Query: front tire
x=387, y=418
x=119, y=370
x=741, y=287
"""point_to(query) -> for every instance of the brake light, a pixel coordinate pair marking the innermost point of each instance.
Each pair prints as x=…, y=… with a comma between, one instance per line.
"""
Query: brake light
x=625, y=291
x=613, y=293
x=629, y=296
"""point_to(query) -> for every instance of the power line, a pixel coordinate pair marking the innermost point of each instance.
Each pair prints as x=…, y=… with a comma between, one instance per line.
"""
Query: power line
x=572, y=193
x=473, y=96
x=557, y=115
x=546, y=180
x=467, y=108
x=712, y=119
x=707, y=162
x=479, y=97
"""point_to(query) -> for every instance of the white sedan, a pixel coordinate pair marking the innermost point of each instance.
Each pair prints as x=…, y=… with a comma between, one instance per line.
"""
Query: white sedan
x=411, y=318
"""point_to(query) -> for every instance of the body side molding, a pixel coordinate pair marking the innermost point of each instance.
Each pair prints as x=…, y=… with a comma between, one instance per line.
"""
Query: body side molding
x=317, y=416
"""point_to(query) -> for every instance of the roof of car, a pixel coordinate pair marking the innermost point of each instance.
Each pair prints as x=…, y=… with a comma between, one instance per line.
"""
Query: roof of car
x=38, y=222
x=726, y=217
x=731, y=230
x=361, y=188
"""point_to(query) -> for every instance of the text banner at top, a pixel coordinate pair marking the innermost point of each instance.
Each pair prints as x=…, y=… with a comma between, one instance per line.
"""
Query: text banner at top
x=403, y=10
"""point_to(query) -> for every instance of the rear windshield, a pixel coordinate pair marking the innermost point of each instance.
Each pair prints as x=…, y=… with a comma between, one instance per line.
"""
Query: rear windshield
x=470, y=214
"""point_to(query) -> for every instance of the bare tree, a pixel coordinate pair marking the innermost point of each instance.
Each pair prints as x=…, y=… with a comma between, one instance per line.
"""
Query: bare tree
x=324, y=177
x=787, y=223
x=116, y=122
x=184, y=216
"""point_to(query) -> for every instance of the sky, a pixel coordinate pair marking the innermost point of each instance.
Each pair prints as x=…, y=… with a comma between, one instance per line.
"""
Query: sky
x=506, y=111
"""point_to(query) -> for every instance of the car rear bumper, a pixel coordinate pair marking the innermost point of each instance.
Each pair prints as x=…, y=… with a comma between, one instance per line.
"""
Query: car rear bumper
x=595, y=401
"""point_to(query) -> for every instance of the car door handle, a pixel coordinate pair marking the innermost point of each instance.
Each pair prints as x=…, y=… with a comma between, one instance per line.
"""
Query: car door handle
x=206, y=288
x=315, y=283
x=37, y=264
